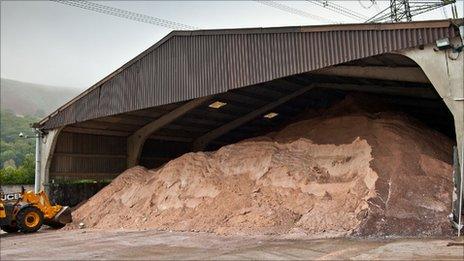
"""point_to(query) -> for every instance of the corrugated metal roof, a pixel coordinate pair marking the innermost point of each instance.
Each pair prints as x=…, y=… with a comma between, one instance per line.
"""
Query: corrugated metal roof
x=191, y=64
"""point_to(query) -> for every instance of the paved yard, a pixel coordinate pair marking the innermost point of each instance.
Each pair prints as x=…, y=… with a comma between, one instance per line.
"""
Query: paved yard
x=152, y=244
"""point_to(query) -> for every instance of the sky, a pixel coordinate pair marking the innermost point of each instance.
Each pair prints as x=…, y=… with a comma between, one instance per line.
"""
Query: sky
x=49, y=43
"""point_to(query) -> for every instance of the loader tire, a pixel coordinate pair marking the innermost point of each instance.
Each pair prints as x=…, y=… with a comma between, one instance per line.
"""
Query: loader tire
x=10, y=228
x=54, y=224
x=30, y=219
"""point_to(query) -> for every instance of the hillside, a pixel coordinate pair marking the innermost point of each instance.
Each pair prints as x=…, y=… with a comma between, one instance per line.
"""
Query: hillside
x=24, y=98
x=14, y=149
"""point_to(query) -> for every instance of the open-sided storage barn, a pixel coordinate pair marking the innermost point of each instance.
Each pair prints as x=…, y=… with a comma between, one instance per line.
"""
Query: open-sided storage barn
x=161, y=103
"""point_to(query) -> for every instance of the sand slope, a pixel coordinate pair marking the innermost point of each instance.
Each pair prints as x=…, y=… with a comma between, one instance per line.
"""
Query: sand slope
x=347, y=172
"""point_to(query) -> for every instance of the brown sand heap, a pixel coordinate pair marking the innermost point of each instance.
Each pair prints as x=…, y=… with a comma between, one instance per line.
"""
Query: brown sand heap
x=341, y=174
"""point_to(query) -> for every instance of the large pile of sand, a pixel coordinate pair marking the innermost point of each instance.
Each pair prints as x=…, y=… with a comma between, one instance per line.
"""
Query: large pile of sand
x=348, y=172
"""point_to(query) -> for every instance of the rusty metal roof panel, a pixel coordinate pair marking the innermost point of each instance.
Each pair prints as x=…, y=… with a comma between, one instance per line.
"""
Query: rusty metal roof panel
x=187, y=65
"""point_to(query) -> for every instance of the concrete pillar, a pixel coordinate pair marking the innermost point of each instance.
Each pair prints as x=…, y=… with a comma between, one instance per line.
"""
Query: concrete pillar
x=445, y=71
x=37, y=177
x=47, y=148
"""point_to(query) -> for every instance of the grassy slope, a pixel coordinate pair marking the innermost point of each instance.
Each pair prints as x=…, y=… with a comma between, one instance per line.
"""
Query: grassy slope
x=33, y=99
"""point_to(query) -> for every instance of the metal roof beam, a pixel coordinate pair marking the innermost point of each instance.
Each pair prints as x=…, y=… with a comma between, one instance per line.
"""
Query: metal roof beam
x=203, y=141
x=213, y=114
x=94, y=124
x=236, y=97
x=149, y=113
x=135, y=141
x=170, y=138
x=126, y=119
x=401, y=91
x=403, y=74
x=198, y=121
x=96, y=131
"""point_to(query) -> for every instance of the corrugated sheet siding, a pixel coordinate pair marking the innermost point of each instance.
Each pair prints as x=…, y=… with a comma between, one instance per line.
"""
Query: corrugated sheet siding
x=191, y=66
x=69, y=165
x=72, y=150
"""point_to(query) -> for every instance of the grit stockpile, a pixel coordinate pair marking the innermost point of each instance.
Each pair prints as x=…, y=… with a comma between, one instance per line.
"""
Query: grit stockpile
x=348, y=172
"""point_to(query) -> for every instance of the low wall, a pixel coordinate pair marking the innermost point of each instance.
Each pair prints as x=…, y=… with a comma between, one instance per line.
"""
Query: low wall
x=63, y=194
x=15, y=188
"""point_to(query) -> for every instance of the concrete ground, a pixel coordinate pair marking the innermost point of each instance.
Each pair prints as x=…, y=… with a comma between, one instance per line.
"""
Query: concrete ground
x=152, y=244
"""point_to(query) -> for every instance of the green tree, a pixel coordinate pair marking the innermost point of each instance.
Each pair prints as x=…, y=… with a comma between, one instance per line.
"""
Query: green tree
x=24, y=174
x=17, y=149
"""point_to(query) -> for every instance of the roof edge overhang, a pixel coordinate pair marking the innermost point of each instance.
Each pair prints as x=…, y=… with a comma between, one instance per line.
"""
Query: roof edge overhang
x=261, y=30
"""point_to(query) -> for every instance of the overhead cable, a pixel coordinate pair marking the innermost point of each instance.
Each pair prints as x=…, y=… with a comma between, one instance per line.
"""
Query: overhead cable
x=295, y=11
x=108, y=10
x=338, y=9
x=404, y=10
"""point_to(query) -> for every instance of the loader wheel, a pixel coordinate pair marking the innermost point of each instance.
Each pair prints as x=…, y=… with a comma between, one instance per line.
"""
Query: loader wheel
x=10, y=228
x=54, y=224
x=29, y=219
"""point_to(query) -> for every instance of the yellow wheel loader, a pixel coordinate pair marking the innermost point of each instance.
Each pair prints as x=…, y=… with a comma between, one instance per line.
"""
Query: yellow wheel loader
x=27, y=212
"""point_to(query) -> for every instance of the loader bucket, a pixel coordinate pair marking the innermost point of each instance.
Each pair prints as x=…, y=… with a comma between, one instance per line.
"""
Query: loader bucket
x=63, y=216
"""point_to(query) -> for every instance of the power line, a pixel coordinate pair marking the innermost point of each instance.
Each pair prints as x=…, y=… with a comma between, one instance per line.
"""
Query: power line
x=338, y=9
x=108, y=10
x=404, y=10
x=294, y=11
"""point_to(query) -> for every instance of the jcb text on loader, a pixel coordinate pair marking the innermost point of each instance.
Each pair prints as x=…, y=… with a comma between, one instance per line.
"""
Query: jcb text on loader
x=27, y=211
